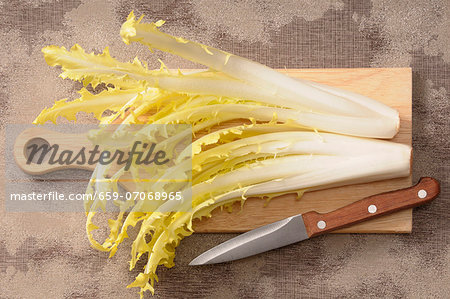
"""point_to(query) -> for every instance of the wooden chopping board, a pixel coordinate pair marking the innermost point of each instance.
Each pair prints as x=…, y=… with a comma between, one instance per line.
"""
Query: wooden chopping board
x=390, y=86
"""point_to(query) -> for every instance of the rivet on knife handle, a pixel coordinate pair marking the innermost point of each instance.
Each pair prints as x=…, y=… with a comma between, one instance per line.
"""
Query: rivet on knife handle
x=370, y=207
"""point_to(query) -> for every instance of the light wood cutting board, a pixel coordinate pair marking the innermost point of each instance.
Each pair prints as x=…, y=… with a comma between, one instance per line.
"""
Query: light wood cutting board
x=390, y=86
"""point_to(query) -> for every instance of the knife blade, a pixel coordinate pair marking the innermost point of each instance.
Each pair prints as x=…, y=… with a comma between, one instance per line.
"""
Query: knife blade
x=301, y=227
x=267, y=237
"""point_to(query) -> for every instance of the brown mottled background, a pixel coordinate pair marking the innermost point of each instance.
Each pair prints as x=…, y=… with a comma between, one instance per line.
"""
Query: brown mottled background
x=48, y=256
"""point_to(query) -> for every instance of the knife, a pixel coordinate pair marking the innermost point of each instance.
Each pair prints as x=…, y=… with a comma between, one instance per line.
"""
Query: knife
x=301, y=227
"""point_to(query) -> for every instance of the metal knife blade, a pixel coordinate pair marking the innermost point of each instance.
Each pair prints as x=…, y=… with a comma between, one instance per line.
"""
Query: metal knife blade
x=264, y=238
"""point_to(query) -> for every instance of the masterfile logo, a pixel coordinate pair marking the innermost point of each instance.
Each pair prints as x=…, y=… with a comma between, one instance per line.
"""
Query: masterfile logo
x=139, y=168
x=144, y=156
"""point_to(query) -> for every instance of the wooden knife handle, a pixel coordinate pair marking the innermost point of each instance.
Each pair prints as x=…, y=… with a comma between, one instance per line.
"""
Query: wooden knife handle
x=370, y=207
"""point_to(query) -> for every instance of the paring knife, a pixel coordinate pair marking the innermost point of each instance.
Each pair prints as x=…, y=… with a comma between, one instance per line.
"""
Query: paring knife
x=301, y=227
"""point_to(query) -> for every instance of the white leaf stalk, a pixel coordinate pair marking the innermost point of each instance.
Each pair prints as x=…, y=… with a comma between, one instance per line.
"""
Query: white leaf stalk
x=286, y=89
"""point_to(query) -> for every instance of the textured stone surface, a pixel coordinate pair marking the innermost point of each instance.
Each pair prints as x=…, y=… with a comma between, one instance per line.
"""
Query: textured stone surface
x=47, y=255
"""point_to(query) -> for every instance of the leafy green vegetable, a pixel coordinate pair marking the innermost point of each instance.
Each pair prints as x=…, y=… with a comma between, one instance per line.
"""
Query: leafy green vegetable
x=279, y=150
